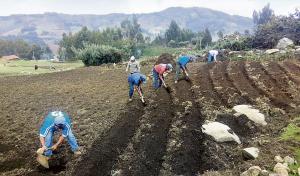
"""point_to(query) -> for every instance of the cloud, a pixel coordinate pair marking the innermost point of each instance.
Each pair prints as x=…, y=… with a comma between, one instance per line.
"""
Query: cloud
x=235, y=7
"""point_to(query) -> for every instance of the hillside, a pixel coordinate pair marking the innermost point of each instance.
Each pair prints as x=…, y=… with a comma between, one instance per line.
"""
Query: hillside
x=50, y=26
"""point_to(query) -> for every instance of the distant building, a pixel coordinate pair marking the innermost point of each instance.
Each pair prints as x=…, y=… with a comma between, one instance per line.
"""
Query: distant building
x=9, y=58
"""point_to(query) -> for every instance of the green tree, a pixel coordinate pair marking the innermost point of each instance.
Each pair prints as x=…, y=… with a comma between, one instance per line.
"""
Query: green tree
x=207, y=39
x=173, y=32
x=263, y=16
x=220, y=34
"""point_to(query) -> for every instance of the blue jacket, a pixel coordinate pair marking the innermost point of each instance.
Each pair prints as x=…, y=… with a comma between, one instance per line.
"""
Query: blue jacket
x=183, y=60
x=55, y=120
x=135, y=78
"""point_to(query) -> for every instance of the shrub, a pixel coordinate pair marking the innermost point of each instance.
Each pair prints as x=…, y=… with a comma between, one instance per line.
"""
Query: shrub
x=172, y=44
x=94, y=55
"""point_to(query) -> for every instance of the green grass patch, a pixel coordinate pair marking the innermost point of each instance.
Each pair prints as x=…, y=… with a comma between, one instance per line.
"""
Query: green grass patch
x=153, y=51
x=292, y=133
x=24, y=67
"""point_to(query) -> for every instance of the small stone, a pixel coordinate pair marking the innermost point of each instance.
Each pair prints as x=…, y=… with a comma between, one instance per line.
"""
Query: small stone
x=252, y=171
x=250, y=153
x=289, y=160
x=281, y=169
x=278, y=159
x=282, y=52
x=81, y=111
x=264, y=173
x=272, y=51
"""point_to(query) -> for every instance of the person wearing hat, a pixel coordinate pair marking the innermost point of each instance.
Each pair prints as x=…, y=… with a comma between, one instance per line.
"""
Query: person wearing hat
x=133, y=65
x=158, y=74
x=135, y=81
x=182, y=61
x=56, y=121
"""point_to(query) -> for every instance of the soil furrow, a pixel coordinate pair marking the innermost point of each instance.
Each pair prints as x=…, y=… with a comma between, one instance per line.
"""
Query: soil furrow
x=204, y=85
x=237, y=73
x=104, y=152
x=185, y=147
x=290, y=70
x=282, y=81
x=148, y=146
x=225, y=87
x=293, y=66
x=263, y=81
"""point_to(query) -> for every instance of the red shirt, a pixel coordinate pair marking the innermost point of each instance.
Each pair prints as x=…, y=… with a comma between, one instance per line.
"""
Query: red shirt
x=160, y=68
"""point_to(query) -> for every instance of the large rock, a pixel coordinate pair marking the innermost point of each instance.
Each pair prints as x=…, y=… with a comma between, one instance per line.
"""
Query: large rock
x=297, y=51
x=281, y=169
x=220, y=132
x=284, y=43
x=252, y=171
x=272, y=51
x=252, y=114
x=250, y=153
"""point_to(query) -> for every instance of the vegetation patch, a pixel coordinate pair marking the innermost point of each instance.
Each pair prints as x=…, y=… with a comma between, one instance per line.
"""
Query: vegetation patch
x=292, y=134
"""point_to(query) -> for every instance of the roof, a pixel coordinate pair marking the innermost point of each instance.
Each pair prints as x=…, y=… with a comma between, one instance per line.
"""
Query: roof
x=8, y=58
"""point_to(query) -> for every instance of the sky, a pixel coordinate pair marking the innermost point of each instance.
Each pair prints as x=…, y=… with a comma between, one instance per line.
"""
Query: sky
x=233, y=7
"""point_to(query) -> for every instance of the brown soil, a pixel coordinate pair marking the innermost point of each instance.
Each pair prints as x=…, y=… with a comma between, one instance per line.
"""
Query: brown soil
x=162, y=138
x=225, y=86
x=166, y=58
x=264, y=81
x=241, y=81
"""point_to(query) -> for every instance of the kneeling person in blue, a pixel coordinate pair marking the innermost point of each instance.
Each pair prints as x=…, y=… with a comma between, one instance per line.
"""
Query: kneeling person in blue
x=56, y=121
x=135, y=80
x=181, y=65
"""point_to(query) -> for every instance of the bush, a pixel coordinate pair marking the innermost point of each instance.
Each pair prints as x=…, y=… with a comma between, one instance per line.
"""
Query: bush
x=94, y=55
x=172, y=44
x=240, y=44
x=183, y=44
x=268, y=35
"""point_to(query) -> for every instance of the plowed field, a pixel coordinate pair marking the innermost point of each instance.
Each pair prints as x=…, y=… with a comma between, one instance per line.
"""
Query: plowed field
x=162, y=138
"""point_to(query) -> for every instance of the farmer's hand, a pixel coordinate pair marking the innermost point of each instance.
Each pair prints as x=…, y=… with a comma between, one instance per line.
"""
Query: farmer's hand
x=54, y=147
x=44, y=148
x=165, y=85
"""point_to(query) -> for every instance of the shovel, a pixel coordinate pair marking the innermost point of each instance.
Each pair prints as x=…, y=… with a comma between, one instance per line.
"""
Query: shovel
x=141, y=96
x=42, y=159
x=168, y=89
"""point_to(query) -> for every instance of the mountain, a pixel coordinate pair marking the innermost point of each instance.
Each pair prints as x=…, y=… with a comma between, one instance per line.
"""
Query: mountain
x=48, y=27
